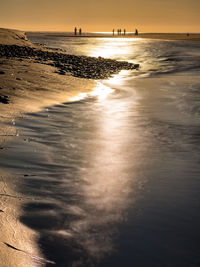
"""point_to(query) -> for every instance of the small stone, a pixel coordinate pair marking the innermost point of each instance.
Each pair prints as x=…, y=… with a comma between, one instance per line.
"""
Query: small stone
x=4, y=99
x=61, y=72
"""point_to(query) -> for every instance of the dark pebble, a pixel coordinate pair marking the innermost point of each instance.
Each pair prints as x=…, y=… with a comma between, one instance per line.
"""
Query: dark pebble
x=2, y=72
x=61, y=72
x=4, y=99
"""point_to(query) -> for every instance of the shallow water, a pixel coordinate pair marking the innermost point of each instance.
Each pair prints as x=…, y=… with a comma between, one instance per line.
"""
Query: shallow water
x=113, y=176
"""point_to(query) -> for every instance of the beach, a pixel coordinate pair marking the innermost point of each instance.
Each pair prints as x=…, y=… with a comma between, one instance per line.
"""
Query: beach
x=34, y=77
x=99, y=150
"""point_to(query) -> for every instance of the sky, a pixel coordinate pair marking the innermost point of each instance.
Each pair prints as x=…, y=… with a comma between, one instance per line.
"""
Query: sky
x=101, y=15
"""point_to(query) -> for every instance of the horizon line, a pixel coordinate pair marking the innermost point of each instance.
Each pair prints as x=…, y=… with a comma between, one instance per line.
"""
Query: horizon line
x=110, y=32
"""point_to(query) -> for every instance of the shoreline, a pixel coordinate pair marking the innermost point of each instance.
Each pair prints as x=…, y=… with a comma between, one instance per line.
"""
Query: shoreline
x=154, y=36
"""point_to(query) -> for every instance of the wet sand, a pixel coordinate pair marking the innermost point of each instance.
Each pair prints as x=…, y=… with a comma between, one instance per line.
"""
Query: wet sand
x=18, y=242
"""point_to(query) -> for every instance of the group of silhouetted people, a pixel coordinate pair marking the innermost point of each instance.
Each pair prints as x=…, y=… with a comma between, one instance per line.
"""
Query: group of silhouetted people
x=119, y=32
x=76, y=31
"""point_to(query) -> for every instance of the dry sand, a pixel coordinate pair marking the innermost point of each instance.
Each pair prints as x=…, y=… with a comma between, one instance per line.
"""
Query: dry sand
x=10, y=37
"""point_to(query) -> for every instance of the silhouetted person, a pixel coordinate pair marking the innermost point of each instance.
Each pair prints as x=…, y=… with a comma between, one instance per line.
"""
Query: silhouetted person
x=188, y=34
x=113, y=32
x=80, y=31
x=124, y=31
x=136, y=32
x=75, y=31
x=120, y=31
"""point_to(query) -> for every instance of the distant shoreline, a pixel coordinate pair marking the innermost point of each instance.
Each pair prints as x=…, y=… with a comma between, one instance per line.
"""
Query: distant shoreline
x=159, y=36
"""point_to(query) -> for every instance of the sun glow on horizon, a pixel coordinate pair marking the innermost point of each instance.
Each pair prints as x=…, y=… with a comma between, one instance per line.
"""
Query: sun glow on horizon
x=98, y=16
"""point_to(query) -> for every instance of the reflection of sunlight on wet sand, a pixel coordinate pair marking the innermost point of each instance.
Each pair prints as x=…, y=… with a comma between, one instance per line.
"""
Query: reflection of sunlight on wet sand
x=100, y=91
x=106, y=183
x=108, y=180
x=118, y=79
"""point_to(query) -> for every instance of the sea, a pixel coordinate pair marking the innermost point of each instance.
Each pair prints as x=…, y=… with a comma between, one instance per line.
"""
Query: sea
x=113, y=176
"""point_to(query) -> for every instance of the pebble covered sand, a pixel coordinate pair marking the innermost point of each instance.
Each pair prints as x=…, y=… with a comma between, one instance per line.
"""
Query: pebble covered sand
x=78, y=66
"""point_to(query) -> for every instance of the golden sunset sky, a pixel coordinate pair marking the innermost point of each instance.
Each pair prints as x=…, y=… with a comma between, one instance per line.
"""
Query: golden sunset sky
x=101, y=15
